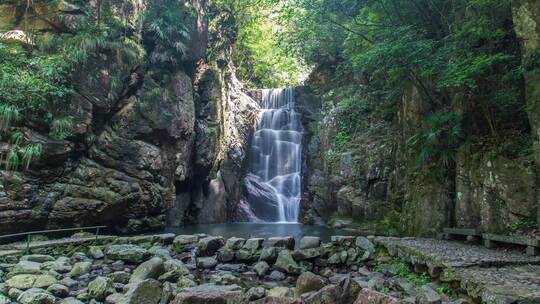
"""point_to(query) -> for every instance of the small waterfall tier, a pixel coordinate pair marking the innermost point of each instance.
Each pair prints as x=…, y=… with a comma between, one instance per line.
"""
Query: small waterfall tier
x=273, y=185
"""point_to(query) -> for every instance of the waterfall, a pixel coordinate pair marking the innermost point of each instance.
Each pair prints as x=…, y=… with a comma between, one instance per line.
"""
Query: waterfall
x=273, y=185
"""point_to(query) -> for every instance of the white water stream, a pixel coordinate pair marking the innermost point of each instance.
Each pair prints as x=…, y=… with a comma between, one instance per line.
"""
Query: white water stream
x=277, y=151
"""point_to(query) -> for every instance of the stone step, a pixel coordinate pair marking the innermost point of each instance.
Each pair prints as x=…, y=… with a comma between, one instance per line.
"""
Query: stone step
x=533, y=245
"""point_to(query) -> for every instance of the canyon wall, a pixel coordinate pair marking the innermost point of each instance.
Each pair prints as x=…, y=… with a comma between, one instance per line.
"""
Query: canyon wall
x=147, y=141
x=373, y=180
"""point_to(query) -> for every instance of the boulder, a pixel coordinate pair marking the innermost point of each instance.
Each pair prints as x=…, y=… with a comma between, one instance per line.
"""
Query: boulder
x=255, y=293
x=350, y=289
x=342, y=240
x=369, y=296
x=284, y=242
x=185, y=282
x=235, y=243
x=225, y=278
x=144, y=292
x=27, y=281
x=95, y=252
x=330, y=294
x=26, y=267
x=307, y=254
x=70, y=300
x=427, y=295
x=58, y=290
x=176, y=266
x=119, y=277
x=365, y=244
x=36, y=296
x=206, y=262
x=246, y=256
x=309, y=281
x=281, y=292
x=126, y=252
x=277, y=276
x=225, y=255
x=209, y=245
x=209, y=293
x=276, y=300
x=181, y=243
x=308, y=242
x=80, y=268
x=169, y=292
x=61, y=265
x=261, y=268
x=100, y=288
x=150, y=269
x=286, y=263
x=269, y=254
x=38, y=258
x=253, y=244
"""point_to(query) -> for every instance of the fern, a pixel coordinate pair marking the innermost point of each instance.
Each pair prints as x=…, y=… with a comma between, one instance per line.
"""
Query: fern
x=61, y=127
x=29, y=153
x=16, y=138
x=8, y=115
x=12, y=162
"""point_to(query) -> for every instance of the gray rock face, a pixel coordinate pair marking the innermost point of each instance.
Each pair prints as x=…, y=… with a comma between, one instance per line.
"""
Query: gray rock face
x=264, y=200
x=144, y=140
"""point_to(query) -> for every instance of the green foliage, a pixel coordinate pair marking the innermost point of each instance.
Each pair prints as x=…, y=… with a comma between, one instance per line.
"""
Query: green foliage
x=442, y=48
x=261, y=59
x=405, y=271
x=524, y=224
x=61, y=127
x=438, y=139
x=32, y=88
x=165, y=24
x=446, y=290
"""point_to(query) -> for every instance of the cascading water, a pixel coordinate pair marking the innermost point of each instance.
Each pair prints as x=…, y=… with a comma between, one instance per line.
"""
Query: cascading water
x=273, y=185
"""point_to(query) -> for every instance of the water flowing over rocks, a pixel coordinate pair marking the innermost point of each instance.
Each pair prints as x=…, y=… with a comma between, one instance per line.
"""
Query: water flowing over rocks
x=273, y=187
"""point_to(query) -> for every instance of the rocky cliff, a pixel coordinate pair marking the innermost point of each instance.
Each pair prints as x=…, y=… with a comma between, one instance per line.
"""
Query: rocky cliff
x=372, y=179
x=149, y=136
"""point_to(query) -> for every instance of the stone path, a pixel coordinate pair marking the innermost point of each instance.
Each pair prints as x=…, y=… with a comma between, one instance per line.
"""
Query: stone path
x=494, y=276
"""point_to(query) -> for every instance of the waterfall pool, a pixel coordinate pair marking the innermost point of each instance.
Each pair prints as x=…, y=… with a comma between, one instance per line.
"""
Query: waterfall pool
x=262, y=230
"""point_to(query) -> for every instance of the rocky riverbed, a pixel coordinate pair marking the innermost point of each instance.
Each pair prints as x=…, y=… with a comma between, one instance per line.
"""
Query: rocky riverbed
x=193, y=269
